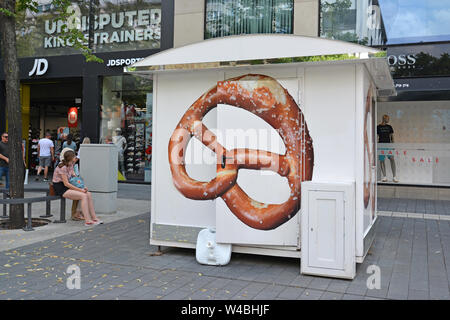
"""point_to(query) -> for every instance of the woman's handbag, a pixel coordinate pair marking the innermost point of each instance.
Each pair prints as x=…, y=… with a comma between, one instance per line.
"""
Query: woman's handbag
x=51, y=189
x=77, y=182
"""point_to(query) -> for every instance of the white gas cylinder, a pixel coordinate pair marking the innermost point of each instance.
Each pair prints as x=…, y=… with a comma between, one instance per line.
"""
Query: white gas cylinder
x=209, y=252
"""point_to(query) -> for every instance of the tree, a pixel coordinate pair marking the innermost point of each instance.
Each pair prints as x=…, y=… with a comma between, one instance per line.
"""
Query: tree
x=9, y=10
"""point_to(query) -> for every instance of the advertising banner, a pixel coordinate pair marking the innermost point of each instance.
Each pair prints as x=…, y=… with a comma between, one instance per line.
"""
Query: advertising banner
x=117, y=26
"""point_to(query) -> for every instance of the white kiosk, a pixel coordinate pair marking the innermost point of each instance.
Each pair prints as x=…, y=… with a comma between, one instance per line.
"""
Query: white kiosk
x=270, y=141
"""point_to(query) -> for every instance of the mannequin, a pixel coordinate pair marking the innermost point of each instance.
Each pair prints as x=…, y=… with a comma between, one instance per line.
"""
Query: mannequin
x=121, y=144
x=386, y=135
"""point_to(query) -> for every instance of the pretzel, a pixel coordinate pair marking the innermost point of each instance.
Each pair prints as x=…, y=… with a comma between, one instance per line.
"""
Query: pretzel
x=367, y=186
x=267, y=99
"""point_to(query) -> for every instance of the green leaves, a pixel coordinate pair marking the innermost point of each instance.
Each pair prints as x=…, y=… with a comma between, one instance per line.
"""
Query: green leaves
x=7, y=12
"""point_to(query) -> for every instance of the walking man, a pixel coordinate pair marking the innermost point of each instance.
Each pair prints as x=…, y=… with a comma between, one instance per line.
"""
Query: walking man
x=46, y=152
x=4, y=159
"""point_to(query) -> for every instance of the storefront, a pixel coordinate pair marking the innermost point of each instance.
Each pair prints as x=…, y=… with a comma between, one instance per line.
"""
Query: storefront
x=419, y=116
x=62, y=93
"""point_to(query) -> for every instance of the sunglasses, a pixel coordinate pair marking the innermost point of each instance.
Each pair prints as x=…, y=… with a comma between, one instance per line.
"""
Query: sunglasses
x=5, y=137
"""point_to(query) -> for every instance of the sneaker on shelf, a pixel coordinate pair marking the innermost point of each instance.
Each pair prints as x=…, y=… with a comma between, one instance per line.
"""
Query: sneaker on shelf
x=45, y=180
x=384, y=179
x=395, y=179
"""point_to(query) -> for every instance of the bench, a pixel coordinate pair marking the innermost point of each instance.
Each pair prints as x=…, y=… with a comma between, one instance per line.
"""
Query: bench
x=48, y=198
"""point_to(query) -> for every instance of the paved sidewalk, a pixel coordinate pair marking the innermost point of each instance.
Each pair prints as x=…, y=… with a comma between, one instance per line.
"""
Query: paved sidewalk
x=435, y=207
x=132, y=200
x=413, y=256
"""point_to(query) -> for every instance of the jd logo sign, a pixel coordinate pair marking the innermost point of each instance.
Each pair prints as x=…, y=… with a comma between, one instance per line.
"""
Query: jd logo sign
x=40, y=67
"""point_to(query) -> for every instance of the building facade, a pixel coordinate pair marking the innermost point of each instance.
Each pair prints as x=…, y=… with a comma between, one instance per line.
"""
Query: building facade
x=62, y=93
x=415, y=34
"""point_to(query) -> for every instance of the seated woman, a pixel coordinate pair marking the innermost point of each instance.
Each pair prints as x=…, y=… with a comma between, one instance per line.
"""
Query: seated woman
x=76, y=210
x=63, y=172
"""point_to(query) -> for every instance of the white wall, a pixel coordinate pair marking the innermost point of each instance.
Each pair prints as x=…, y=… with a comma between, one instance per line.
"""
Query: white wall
x=329, y=107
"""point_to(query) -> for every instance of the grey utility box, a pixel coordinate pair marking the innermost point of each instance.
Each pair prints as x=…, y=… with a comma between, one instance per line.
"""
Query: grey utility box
x=98, y=168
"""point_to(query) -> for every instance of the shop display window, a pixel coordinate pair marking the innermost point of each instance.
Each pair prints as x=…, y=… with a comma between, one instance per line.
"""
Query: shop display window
x=126, y=121
x=226, y=18
x=420, y=152
x=358, y=21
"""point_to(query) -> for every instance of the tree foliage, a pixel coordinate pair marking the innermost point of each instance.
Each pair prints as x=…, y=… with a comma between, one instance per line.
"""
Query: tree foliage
x=71, y=29
x=10, y=10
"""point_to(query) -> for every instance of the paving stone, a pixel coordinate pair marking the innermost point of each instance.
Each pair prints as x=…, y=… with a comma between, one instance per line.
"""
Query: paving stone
x=290, y=293
x=356, y=289
x=311, y=294
x=418, y=294
x=338, y=286
x=319, y=283
x=331, y=296
x=352, y=297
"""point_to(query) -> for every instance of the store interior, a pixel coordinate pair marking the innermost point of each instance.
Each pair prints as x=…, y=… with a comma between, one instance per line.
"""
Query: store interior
x=50, y=102
x=421, y=148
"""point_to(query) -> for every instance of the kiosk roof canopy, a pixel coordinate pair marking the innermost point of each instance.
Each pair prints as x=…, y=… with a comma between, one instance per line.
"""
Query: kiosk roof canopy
x=257, y=49
x=252, y=47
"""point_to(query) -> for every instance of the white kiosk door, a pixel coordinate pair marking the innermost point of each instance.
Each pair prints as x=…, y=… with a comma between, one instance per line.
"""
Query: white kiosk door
x=242, y=129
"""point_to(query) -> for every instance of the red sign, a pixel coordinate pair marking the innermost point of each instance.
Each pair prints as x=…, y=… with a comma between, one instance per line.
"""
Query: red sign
x=72, y=117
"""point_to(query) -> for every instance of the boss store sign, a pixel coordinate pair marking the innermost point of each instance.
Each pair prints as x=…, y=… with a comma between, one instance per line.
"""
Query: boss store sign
x=402, y=61
x=419, y=60
x=420, y=67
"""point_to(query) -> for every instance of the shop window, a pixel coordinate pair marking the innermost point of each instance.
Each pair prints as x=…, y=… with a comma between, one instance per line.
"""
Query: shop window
x=358, y=21
x=226, y=18
x=126, y=121
x=420, y=152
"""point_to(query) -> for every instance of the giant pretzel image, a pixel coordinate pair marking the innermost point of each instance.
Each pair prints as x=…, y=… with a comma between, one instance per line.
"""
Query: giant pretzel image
x=267, y=99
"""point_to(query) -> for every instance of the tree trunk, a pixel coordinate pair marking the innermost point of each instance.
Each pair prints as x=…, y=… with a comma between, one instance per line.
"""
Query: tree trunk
x=14, y=110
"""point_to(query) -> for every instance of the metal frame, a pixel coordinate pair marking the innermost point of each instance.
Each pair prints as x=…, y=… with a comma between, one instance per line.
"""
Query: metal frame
x=5, y=201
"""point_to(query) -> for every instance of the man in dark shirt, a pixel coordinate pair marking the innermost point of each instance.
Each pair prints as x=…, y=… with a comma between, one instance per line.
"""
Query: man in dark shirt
x=386, y=135
x=4, y=158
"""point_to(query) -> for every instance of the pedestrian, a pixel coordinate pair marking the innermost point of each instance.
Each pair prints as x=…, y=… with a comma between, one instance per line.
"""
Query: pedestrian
x=63, y=172
x=86, y=140
x=77, y=215
x=69, y=143
x=4, y=159
x=46, y=153
x=121, y=144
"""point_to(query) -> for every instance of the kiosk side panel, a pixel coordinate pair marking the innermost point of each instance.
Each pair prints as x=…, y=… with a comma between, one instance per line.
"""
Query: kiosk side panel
x=366, y=151
x=174, y=94
x=330, y=115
